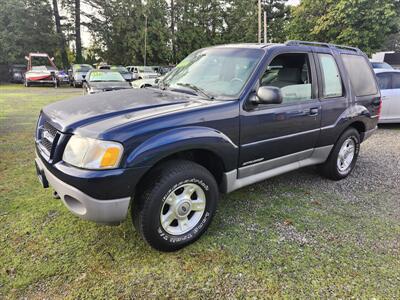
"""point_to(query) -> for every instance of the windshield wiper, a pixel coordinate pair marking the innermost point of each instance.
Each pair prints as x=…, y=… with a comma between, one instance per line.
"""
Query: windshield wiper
x=196, y=89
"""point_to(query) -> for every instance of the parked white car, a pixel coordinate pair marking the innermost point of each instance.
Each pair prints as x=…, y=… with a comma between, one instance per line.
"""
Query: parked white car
x=141, y=72
x=142, y=83
x=389, y=83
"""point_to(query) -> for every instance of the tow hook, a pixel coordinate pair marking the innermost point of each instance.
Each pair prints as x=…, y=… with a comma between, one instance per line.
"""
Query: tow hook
x=55, y=195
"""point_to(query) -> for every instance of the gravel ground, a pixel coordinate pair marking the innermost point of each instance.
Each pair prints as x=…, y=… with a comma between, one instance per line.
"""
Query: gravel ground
x=377, y=170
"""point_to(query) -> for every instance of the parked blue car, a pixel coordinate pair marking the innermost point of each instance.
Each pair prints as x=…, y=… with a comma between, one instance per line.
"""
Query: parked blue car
x=224, y=118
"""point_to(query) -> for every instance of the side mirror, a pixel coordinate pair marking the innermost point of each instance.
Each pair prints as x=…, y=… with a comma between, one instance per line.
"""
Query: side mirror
x=52, y=59
x=26, y=57
x=268, y=95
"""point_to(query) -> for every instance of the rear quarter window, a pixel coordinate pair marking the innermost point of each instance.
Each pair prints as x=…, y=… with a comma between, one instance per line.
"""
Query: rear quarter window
x=361, y=76
x=384, y=81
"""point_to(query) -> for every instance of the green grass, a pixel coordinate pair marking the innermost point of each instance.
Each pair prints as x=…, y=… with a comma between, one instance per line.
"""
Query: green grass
x=276, y=239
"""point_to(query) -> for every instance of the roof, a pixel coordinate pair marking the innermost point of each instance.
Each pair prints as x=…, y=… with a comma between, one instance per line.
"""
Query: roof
x=246, y=45
x=341, y=48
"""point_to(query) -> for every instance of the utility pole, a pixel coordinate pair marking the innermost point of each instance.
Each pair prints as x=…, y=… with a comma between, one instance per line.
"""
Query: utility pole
x=259, y=21
x=265, y=27
x=145, y=40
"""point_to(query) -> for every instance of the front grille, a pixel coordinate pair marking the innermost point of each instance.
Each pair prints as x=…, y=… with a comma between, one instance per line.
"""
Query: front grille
x=51, y=129
x=47, y=145
x=47, y=137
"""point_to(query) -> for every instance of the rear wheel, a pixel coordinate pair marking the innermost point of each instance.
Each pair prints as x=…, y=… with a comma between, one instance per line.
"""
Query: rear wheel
x=176, y=205
x=343, y=157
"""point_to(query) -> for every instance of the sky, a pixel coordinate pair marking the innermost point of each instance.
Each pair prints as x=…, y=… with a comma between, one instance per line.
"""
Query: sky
x=86, y=38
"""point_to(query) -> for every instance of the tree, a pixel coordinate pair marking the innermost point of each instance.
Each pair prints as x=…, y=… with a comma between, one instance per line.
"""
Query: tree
x=23, y=29
x=60, y=35
x=78, y=41
x=172, y=21
x=199, y=23
x=361, y=23
x=278, y=14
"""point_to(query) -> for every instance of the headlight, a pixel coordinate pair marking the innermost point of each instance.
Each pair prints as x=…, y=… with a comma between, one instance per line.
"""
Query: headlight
x=90, y=153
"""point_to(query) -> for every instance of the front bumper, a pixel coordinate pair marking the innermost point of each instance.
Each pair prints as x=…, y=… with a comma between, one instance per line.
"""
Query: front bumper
x=111, y=211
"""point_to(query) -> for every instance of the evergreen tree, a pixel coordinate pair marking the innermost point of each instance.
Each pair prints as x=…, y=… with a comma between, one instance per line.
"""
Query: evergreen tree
x=25, y=26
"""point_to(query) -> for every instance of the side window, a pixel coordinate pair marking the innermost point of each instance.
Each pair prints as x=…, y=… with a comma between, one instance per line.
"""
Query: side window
x=291, y=73
x=332, y=83
x=385, y=81
x=395, y=81
x=361, y=76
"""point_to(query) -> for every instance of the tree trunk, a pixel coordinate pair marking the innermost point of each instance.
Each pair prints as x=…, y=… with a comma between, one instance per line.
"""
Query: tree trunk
x=173, y=31
x=78, y=42
x=61, y=39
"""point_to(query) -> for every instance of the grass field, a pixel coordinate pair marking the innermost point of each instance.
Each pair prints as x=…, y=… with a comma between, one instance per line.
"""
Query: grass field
x=294, y=236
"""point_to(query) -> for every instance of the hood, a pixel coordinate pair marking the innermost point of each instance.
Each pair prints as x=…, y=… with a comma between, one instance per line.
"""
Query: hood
x=109, y=85
x=117, y=107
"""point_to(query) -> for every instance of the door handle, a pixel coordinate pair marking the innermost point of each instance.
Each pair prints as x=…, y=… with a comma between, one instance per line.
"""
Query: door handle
x=314, y=111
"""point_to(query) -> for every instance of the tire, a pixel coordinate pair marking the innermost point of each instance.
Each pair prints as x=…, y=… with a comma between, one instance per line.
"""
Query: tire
x=159, y=200
x=348, y=148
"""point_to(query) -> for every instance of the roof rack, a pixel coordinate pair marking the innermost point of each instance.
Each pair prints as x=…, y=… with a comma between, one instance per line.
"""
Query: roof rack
x=318, y=44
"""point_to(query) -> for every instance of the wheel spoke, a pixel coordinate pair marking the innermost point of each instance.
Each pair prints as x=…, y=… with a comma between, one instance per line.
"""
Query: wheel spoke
x=183, y=223
x=198, y=205
x=168, y=218
x=171, y=199
x=188, y=191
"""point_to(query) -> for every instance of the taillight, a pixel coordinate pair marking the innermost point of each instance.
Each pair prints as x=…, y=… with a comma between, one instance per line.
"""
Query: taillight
x=379, y=108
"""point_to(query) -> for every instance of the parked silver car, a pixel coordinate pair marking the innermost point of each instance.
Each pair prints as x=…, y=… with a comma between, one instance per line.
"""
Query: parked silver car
x=77, y=74
x=389, y=83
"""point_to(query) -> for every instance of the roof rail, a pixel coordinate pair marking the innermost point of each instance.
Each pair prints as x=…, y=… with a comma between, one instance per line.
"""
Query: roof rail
x=318, y=44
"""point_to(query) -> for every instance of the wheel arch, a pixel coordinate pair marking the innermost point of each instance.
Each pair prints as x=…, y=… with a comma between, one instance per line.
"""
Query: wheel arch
x=205, y=146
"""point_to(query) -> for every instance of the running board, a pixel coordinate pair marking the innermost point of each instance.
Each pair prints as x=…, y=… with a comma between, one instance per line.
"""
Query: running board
x=232, y=182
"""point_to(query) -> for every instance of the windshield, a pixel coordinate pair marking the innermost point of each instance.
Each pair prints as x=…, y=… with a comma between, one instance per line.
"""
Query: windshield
x=82, y=68
x=145, y=70
x=96, y=76
x=218, y=72
x=120, y=69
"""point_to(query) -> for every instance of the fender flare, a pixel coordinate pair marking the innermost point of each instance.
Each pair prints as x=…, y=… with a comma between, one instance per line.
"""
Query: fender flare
x=353, y=114
x=176, y=140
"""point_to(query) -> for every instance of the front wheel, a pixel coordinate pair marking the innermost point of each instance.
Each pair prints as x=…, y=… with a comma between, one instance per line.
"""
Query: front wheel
x=176, y=205
x=343, y=157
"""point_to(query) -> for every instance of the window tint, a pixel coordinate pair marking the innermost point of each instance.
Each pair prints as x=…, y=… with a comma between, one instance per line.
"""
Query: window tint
x=331, y=77
x=384, y=81
x=361, y=77
x=395, y=81
x=292, y=74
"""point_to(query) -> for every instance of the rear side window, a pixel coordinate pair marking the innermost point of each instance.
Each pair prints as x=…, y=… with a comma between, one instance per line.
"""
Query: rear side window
x=331, y=77
x=361, y=77
x=396, y=81
x=384, y=81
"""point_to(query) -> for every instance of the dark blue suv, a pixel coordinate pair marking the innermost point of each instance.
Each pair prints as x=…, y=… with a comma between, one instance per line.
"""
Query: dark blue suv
x=225, y=117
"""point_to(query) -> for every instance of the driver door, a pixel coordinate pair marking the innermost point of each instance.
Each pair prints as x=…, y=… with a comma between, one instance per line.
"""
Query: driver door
x=280, y=134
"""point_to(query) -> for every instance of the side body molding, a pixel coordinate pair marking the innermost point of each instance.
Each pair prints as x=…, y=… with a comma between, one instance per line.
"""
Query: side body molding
x=181, y=139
